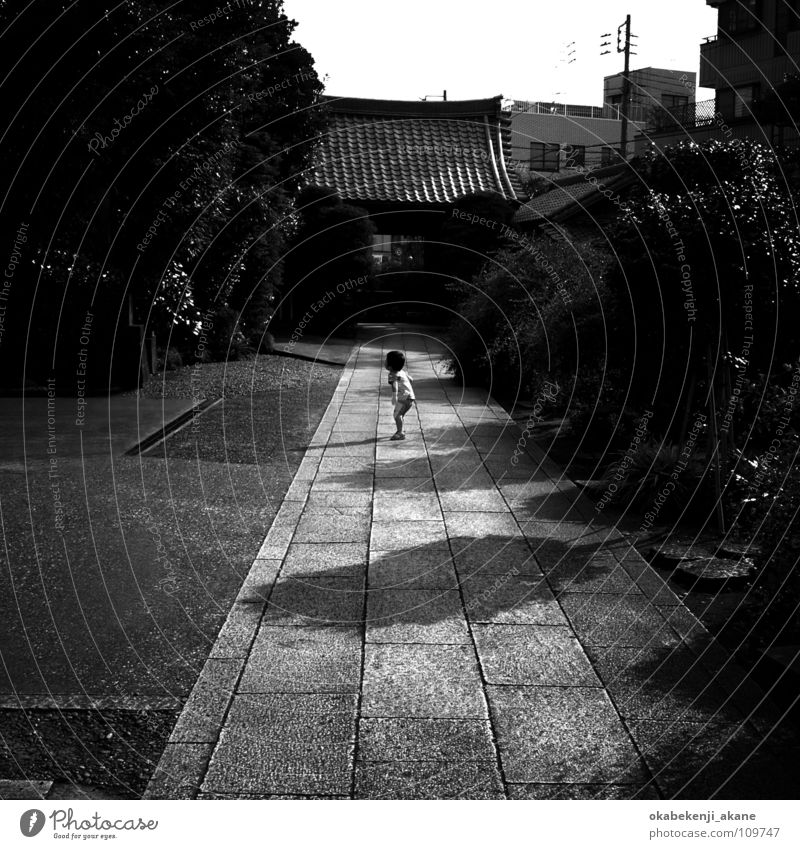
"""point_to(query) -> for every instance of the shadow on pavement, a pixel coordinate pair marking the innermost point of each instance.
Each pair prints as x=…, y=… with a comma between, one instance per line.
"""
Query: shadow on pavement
x=696, y=742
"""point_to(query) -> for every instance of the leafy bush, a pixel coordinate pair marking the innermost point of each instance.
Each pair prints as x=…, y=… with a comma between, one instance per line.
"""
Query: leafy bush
x=170, y=360
x=709, y=263
x=769, y=497
x=760, y=402
x=540, y=311
x=470, y=234
x=226, y=339
x=640, y=476
x=262, y=343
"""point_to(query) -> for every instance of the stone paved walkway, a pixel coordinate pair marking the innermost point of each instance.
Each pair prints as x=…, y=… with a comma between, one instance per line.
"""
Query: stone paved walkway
x=427, y=619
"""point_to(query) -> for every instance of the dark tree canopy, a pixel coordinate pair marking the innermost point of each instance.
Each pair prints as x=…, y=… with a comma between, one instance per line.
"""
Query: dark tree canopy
x=332, y=247
x=472, y=230
x=153, y=150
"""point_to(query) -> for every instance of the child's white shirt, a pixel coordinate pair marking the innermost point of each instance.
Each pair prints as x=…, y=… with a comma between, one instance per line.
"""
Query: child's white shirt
x=401, y=382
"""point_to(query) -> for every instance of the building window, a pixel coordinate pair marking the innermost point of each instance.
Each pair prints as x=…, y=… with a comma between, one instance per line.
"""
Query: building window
x=735, y=103
x=672, y=101
x=615, y=102
x=741, y=16
x=724, y=102
x=787, y=19
x=544, y=157
x=576, y=155
x=743, y=100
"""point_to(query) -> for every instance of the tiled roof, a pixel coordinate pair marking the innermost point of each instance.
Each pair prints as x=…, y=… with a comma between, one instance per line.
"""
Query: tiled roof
x=415, y=151
x=573, y=194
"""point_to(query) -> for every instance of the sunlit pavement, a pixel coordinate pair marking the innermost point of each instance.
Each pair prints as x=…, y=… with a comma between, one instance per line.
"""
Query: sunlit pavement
x=446, y=617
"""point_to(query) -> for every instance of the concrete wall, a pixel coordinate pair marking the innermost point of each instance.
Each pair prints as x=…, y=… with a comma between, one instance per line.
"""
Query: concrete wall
x=649, y=85
x=592, y=133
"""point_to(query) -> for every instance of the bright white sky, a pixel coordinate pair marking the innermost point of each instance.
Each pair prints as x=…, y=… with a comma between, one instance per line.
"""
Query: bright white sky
x=407, y=49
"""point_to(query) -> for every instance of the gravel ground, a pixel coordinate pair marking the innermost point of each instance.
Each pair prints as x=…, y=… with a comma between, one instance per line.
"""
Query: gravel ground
x=192, y=511
x=270, y=407
x=262, y=374
x=109, y=748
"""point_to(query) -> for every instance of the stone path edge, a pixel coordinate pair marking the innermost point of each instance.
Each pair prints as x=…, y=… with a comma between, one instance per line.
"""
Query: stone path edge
x=181, y=768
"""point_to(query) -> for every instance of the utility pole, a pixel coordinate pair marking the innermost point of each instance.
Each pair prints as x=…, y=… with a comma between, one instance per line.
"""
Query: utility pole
x=624, y=46
x=624, y=43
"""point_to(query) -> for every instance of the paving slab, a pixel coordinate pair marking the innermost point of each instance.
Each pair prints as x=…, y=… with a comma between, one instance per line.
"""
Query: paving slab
x=451, y=480
x=264, y=749
x=303, y=660
x=402, y=468
x=495, y=556
x=409, y=535
x=324, y=602
x=406, y=570
x=511, y=599
x=603, y=619
x=428, y=619
x=320, y=560
x=407, y=739
x=534, y=655
x=576, y=576
x=429, y=780
x=419, y=484
x=464, y=459
x=563, y=734
x=346, y=462
x=336, y=482
x=403, y=506
x=332, y=528
x=582, y=791
x=426, y=681
x=326, y=500
x=474, y=500
x=662, y=683
x=467, y=526
x=416, y=616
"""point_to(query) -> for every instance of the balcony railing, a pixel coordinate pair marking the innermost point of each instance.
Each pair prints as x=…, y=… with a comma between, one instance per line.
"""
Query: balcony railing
x=542, y=108
x=636, y=112
x=610, y=112
x=689, y=116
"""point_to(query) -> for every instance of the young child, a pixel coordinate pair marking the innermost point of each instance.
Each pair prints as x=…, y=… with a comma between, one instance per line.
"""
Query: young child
x=402, y=391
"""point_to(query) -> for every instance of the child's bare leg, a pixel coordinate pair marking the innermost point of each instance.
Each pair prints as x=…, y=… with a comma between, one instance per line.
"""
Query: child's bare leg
x=398, y=420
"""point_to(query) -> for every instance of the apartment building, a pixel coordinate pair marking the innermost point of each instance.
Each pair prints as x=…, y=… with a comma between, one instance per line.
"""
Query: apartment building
x=550, y=138
x=754, y=51
x=652, y=90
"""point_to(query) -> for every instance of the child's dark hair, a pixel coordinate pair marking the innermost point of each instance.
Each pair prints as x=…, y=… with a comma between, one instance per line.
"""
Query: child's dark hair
x=395, y=360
